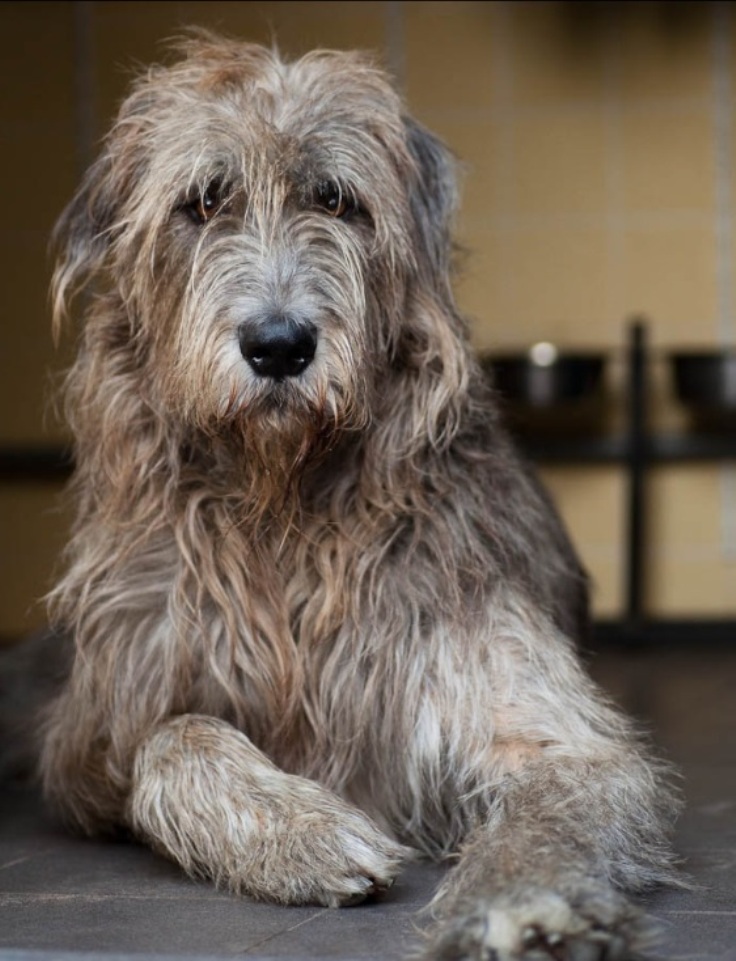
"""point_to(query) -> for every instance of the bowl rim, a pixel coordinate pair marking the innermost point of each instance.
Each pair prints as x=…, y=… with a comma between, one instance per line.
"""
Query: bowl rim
x=703, y=354
x=523, y=356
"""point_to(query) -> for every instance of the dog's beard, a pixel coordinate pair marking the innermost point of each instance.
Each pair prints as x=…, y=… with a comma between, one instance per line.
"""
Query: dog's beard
x=279, y=435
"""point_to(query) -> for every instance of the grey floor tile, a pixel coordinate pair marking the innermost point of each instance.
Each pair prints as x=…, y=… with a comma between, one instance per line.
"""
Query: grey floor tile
x=95, y=868
x=21, y=954
x=696, y=936
x=354, y=934
x=225, y=927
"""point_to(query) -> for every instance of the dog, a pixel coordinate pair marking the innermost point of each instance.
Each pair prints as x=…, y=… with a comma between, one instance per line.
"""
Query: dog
x=324, y=615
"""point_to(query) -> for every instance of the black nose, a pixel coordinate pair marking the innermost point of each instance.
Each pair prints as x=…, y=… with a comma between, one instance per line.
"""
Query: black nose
x=280, y=347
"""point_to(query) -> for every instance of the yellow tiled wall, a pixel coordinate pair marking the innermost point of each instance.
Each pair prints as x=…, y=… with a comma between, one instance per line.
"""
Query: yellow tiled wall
x=598, y=142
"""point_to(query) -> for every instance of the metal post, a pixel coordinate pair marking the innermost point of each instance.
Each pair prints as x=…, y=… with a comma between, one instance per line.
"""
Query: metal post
x=636, y=458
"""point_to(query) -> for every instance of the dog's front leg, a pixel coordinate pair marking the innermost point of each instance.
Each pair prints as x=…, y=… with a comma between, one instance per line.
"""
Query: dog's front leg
x=540, y=878
x=565, y=814
x=206, y=797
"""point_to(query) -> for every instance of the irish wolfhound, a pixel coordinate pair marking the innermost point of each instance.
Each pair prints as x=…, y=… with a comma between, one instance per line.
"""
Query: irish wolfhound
x=323, y=614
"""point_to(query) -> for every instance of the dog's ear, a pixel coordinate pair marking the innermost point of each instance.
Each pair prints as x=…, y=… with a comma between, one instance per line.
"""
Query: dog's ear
x=430, y=355
x=82, y=236
x=433, y=201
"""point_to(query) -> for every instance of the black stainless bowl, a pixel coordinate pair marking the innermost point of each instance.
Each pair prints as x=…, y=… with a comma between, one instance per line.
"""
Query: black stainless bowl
x=545, y=390
x=544, y=378
x=705, y=380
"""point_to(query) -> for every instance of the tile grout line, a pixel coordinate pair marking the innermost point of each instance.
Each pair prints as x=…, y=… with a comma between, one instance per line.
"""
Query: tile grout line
x=14, y=897
x=694, y=911
x=287, y=930
x=27, y=857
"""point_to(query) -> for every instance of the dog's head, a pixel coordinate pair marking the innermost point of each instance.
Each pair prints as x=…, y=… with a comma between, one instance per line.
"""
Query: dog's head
x=263, y=239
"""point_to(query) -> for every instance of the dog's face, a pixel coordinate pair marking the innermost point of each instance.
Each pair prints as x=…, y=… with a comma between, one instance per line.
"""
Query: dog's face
x=261, y=227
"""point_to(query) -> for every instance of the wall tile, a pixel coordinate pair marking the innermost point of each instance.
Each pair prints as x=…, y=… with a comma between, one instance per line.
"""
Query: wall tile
x=663, y=50
x=559, y=281
x=592, y=502
x=479, y=147
x=667, y=160
x=451, y=55
x=684, y=508
x=556, y=53
x=37, y=65
x=484, y=290
x=668, y=271
x=559, y=162
x=34, y=527
x=695, y=586
x=27, y=353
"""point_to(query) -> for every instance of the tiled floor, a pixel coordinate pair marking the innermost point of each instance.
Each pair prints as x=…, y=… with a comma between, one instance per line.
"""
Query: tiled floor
x=62, y=897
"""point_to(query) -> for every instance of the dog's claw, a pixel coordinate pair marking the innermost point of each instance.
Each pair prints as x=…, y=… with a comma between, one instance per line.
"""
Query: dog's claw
x=549, y=945
x=353, y=899
x=584, y=951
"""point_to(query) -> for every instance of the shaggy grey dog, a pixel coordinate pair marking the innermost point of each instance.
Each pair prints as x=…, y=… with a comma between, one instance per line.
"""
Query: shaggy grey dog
x=323, y=615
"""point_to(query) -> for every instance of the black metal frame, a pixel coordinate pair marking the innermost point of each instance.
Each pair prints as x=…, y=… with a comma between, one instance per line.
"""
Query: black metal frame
x=637, y=450
x=43, y=463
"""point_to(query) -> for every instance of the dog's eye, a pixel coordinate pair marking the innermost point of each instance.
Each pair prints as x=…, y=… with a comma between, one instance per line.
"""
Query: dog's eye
x=205, y=204
x=329, y=197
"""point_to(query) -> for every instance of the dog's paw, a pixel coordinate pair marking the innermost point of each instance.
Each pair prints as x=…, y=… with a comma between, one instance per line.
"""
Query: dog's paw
x=338, y=858
x=596, y=924
x=206, y=797
x=305, y=845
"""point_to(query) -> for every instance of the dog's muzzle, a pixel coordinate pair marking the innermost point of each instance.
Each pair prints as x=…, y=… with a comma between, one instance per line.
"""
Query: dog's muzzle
x=278, y=348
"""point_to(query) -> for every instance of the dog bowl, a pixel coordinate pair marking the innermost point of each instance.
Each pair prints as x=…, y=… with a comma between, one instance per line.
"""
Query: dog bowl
x=704, y=382
x=544, y=389
x=544, y=377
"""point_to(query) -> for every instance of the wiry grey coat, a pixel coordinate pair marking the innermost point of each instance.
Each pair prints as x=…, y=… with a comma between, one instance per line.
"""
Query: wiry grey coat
x=322, y=612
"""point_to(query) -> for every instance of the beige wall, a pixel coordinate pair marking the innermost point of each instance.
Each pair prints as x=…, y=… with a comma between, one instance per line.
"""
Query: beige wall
x=599, y=182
